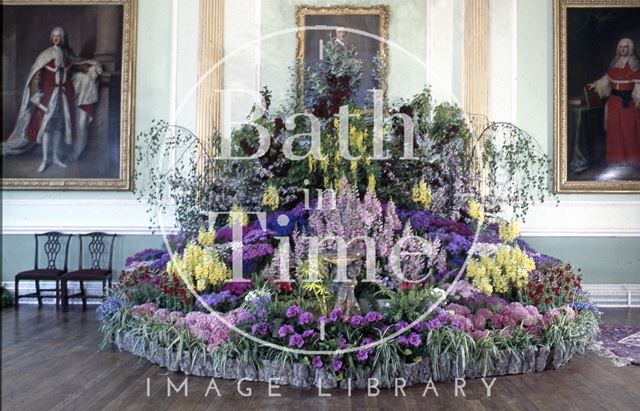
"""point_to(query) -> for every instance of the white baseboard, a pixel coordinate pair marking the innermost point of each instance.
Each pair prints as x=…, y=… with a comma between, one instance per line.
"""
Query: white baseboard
x=614, y=295
x=29, y=286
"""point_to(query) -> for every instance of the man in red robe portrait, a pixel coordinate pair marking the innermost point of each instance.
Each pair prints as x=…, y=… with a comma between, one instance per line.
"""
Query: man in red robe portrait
x=621, y=86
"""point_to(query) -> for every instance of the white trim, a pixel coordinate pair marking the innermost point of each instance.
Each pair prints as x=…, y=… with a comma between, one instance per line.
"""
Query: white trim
x=28, y=287
x=122, y=230
x=614, y=295
x=579, y=232
x=574, y=218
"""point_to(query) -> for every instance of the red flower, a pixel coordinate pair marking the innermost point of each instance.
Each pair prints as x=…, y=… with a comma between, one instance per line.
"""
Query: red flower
x=284, y=287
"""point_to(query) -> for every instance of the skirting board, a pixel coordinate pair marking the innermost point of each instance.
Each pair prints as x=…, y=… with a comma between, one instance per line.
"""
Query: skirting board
x=614, y=295
x=29, y=286
x=603, y=295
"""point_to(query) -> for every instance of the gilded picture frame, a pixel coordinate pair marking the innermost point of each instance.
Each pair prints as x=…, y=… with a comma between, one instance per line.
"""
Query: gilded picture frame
x=85, y=140
x=591, y=123
x=344, y=16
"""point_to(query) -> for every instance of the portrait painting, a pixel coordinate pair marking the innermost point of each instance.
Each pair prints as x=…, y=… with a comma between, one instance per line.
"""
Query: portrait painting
x=597, y=96
x=67, y=94
x=355, y=35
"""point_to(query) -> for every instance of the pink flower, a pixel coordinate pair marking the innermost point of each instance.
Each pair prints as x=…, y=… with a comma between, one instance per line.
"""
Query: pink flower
x=458, y=309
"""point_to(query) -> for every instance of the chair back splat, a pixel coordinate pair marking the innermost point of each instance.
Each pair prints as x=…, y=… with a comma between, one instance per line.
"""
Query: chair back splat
x=94, y=248
x=52, y=243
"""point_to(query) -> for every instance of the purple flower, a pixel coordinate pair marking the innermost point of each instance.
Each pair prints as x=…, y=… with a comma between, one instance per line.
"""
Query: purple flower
x=335, y=315
x=293, y=311
x=253, y=251
x=457, y=324
x=296, y=340
x=373, y=316
x=237, y=288
x=403, y=340
x=362, y=355
x=400, y=325
x=436, y=322
x=414, y=339
x=308, y=333
x=342, y=342
x=357, y=321
x=285, y=330
x=262, y=313
x=317, y=362
x=305, y=318
x=246, y=316
x=336, y=364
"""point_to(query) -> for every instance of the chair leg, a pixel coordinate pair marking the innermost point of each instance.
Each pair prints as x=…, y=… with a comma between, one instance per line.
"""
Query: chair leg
x=104, y=289
x=65, y=293
x=57, y=293
x=110, y=285
x=39, y=295
x=84, y=295
x=16, y=297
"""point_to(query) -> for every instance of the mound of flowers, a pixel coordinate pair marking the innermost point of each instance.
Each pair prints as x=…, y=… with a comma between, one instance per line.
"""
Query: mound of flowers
x=514, y=311
x=353, y=244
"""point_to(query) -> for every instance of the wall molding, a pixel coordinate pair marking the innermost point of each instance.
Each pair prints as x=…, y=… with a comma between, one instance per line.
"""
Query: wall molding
x=571, y=218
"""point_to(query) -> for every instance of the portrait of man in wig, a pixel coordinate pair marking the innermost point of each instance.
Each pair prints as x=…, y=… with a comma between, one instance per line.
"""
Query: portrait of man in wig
x=621, y=86
x=59, y=87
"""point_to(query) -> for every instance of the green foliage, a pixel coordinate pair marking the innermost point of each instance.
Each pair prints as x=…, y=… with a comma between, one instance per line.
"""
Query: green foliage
x=408, y=304
x=6, y=299
x=517, y=169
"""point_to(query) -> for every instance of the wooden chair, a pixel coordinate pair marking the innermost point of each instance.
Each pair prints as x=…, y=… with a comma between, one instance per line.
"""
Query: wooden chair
x=51, y=245
x=96, y=249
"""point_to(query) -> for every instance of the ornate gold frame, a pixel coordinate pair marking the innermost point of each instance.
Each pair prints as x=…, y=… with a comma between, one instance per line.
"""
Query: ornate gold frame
x=127, y=114
x=303, y=10
x=560, y=169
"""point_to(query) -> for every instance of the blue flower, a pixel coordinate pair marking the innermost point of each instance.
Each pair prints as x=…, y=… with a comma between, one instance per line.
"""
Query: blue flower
x=109, y=308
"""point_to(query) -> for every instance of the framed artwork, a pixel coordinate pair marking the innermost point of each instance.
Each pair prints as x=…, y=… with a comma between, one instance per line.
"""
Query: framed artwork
x=597, y=96
x=362, y=31
x=68, y=94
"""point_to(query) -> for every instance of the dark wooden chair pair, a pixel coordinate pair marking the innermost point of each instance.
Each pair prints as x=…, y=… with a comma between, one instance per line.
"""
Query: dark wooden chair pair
x=96, y=250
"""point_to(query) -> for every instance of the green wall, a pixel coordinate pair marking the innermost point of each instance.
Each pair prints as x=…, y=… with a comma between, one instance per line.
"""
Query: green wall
x=18, y=252
x=602, y=260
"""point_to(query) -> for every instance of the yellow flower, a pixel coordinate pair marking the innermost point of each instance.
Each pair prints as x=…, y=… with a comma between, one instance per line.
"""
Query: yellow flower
x=354, y=166
x=508, y=267
x=421, y=194
x=270, y=198
x=509, y=231
x=238, y=216
x=476, y=211
x=199, y=267
x=207, y=237
x=371, y=184
x=311, y=162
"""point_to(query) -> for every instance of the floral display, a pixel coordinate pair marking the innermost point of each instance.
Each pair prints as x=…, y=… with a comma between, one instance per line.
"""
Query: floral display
x=436, y=281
